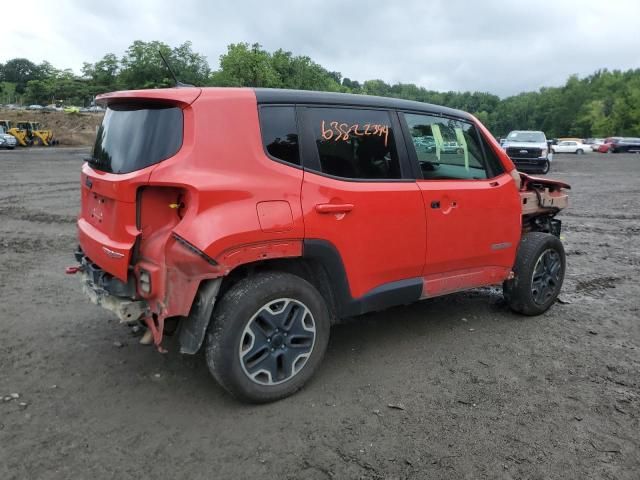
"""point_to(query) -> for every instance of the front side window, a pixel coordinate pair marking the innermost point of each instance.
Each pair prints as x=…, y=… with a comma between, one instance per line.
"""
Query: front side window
x=280, y=133
x=446, y=148
x=355, y=143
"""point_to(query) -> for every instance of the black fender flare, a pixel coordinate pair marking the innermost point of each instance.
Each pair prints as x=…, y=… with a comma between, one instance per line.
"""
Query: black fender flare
x=194, y=327
x=400, y=292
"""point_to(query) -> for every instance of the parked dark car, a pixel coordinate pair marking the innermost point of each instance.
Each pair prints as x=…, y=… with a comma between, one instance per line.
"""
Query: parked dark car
x=625, y=145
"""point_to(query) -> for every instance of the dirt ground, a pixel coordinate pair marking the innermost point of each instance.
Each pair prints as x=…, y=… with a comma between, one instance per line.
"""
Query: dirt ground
x=483, y=393
x=74, y=129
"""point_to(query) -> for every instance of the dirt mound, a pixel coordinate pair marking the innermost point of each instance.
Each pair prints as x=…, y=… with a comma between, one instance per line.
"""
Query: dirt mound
x=68, y=128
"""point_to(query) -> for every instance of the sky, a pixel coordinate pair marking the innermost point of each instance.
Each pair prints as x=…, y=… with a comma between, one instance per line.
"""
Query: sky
x=499, y=47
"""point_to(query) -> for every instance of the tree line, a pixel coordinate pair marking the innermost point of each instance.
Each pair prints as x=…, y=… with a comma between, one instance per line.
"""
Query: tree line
x=602, y=104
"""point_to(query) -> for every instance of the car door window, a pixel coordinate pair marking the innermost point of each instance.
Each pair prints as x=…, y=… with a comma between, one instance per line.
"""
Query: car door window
x=446, y=148
x=280, y=133
x=355, y=143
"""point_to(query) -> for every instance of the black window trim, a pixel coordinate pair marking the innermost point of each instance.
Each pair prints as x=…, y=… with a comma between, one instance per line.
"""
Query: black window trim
x=414, y=157
x=311, y=157
x=483, y=144
x=297, y=121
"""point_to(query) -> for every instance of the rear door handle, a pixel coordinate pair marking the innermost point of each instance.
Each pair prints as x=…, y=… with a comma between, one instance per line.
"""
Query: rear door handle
x=334, y=207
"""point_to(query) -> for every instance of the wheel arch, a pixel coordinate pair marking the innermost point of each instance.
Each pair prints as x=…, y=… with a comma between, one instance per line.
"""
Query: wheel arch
x=322, y=266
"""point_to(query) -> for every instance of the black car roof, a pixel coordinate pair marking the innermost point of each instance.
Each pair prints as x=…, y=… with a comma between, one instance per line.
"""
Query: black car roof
x=275, y=95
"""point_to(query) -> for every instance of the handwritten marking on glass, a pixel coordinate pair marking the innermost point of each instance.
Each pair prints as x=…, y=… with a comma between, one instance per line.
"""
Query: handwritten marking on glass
x=343, y=131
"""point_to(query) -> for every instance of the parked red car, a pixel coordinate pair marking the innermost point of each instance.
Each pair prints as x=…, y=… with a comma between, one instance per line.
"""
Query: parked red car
x=606, y=147
x=254, y=219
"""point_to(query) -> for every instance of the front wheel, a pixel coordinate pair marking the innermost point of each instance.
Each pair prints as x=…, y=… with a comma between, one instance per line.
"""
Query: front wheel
x=267, y=336
x=579, y=151
x=538, y=274
x=546, y=166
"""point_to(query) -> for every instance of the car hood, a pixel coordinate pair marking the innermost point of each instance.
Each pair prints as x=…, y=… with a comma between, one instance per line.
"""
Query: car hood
x=524, y=145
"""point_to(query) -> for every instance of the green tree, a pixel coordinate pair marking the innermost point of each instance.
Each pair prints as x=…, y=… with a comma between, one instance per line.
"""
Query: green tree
x=19, y=71
x=142, y=67
x=246, y=65
x=103, y=76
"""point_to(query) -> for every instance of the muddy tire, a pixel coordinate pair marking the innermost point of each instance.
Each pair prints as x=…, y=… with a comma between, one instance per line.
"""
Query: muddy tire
x=538, y=274
x=267, y=336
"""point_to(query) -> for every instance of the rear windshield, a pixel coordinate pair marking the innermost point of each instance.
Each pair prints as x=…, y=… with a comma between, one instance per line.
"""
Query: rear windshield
x=133, y=137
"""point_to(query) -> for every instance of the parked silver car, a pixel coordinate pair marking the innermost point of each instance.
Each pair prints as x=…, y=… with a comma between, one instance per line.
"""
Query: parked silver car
x=6, y=140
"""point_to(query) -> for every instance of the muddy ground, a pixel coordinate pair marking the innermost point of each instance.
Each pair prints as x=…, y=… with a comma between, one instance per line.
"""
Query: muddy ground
x=484, y=393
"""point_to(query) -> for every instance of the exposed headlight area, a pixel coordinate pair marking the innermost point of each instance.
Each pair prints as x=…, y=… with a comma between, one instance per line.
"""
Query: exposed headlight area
x=144, y=282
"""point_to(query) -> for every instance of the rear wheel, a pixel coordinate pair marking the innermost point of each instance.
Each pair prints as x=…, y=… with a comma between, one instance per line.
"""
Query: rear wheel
x=267, y=337
x=538, y=274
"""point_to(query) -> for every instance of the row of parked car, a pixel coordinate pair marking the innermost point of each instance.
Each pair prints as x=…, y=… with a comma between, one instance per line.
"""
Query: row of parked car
x=532, y=152
x=601, y=145
x=53, y=108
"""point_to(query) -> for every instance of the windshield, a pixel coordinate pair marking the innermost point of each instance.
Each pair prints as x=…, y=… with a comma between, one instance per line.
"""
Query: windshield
x=531, y=137
x=134, y=136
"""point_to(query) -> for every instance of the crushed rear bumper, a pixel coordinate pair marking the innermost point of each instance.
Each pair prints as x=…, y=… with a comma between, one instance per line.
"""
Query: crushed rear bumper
x=109, y=292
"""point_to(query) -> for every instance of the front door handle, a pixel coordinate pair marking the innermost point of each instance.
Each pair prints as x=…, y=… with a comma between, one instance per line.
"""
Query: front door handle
x=334, y=207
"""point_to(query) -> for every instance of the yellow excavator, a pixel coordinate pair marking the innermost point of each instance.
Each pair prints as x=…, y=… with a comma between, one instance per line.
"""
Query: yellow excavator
x=35, y=134
x=29, y=133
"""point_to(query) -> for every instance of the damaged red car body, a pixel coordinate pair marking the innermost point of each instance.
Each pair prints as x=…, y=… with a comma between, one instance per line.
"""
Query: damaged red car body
x=189, y=198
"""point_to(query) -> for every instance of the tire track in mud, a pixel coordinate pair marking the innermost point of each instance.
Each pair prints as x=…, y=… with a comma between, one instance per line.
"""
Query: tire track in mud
x=597, y=284
x=614, y=230
x=29, y=244
x=21, y=213
x=50, y=199
x=38, y=184
x=601, y=216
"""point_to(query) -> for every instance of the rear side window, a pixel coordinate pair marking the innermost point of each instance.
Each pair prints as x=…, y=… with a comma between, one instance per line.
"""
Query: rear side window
x=133, y=137
x=280, y=133
x=355, y=144
x=448, y=148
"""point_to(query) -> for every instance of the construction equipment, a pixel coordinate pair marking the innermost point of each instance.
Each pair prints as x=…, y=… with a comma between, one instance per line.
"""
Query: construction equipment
x=35, y=135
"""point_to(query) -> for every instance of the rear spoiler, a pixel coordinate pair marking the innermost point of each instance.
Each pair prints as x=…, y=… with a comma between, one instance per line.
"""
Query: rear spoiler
x=183, y=96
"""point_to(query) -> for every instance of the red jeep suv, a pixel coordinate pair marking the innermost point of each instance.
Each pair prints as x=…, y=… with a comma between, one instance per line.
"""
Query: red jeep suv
x=253, y=219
